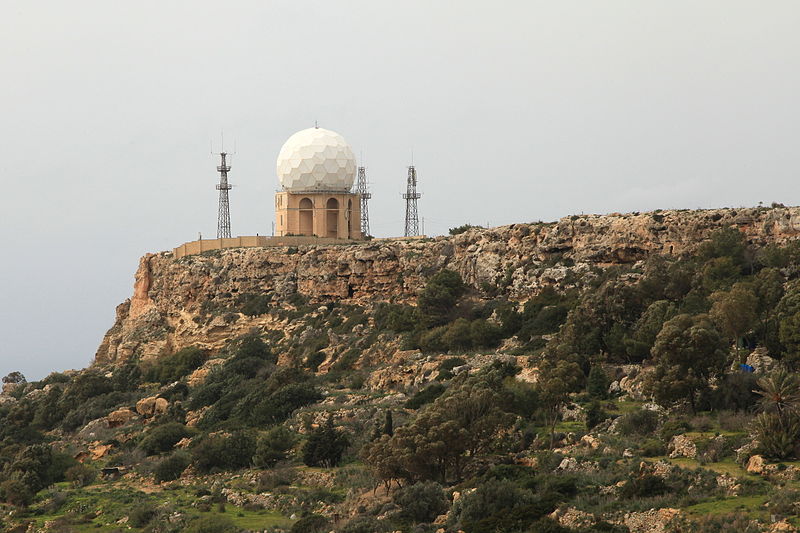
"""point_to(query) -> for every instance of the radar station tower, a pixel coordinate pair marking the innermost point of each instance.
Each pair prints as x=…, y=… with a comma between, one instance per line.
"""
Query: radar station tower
x=224, y=218
x=361, y=189
x=411, y=196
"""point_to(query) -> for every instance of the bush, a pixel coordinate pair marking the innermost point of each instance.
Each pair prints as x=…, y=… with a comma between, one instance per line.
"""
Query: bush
x=652, y=448
x=253, y=304
x=80, y=475
x=162, y=438
x=325, y=446
x=396, y=318
x=272, y=447
x=16, y=493
x=439, y=297
x=212, y=524
x=363, y=524
x=313, y=523
x=141, y=515
x=425, y=396
x=224, y=452
x=645, y=486
x=642, y=422
x=597, y=383
x=172, y=467
x=501, y=505
x=421, y=502
x=173, y=367
x=595, y=415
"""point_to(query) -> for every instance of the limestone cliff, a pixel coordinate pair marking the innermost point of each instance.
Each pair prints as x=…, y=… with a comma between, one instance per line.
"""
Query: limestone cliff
x=171, y=300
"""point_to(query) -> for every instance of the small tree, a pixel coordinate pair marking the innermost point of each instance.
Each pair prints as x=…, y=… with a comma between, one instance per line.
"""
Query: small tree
x=16, y=493
x=273, y=446
x=172, y=467
x=734, y=311
x=439, y=297
x=422, y=502
x=557, y=379
x=80, y=475
x=688, y=352
x=325, y=446
x=597, y=383
x=388, y=424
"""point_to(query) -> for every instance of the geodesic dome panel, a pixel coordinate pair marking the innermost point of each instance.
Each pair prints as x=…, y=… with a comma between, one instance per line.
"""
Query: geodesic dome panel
x=316, y=159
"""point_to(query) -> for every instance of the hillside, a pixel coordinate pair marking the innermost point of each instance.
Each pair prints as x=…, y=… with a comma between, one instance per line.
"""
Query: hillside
x=625, y=373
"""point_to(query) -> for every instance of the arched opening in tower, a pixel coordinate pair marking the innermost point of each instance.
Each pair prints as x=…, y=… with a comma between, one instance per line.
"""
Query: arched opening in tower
x=306, y=217
x=332, y=214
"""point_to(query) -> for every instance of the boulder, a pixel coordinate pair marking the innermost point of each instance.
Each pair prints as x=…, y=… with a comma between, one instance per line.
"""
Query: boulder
x=590, y=441
x=120, y=417
x=682, y=446
x=573, y=518
x=782, y=527
x=652, y=521
x=152, y=406
x=756, y=464
x=759, y=360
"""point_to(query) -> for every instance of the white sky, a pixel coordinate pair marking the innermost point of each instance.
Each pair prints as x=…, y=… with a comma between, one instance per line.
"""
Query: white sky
x=515, y=111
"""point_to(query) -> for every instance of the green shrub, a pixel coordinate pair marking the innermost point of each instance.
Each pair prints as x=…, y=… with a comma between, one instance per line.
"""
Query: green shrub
x=172, y=467
x=253, y=304
x=162, y=438
x=653, y=448
x=80, y=475
x=325, y=446
x=439, y=297
x=364, y=524
x=141, y=515
x=597, y=383
x=425, y=396
x=396, y=318
x=173, y=367
x=313, y=523
x=346, y=360
x=16, y=493
x=463, y=228
x=212, y=524
x=595, y=415
x=421, y=502
x=645, y=486
x=501, y=505
x=642, y=422
x=272, y=447
x=220, y=452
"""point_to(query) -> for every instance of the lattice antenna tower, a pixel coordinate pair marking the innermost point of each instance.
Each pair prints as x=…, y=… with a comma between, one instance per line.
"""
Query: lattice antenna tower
x=411, y=196
x=361, y=189
x=224, y=217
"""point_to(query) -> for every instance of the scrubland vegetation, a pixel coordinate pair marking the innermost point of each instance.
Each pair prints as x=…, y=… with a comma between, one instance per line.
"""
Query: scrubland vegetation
x=642, y=398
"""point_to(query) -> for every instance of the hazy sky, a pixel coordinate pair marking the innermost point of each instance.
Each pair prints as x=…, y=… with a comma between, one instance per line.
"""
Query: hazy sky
x=515, y=111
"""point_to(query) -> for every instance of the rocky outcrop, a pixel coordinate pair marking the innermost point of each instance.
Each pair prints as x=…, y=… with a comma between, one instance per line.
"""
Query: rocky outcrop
x=152, y=406
x=120, y=417
x=174, y=301
x=682, y=446
x=652, y=521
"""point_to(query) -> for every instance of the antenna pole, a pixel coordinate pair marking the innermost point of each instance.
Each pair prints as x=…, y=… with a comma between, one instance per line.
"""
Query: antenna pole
x=224, y=216
x=411, y=196
x=361, y=189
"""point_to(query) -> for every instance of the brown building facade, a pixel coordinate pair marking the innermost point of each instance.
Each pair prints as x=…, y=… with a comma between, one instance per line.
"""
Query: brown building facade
x=330, y=215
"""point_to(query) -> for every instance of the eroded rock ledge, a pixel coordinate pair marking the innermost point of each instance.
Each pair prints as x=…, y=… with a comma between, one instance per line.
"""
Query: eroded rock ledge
x=170, y=295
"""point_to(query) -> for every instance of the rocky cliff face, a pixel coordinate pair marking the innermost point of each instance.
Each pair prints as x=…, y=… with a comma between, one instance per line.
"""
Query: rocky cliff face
x=173, y=301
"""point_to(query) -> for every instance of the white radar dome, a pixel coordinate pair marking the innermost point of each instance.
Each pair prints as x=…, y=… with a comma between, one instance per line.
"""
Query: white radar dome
x=316, y=159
